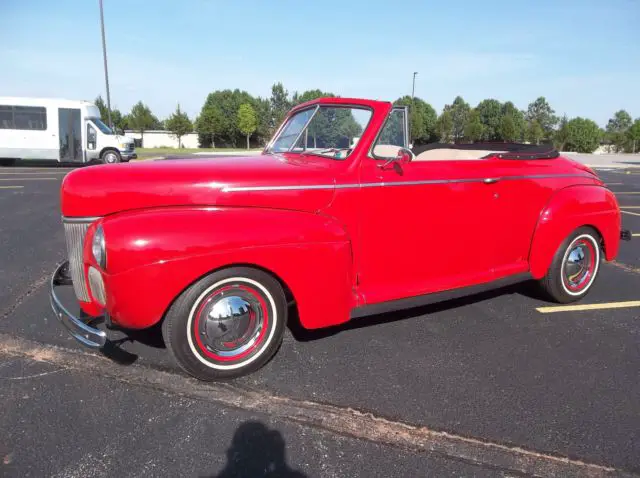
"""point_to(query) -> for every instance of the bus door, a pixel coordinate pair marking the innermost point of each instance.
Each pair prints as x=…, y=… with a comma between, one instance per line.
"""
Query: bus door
x=70, y=134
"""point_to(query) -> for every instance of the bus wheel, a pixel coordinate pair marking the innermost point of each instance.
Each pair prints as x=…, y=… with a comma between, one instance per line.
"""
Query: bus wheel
x=111, y=157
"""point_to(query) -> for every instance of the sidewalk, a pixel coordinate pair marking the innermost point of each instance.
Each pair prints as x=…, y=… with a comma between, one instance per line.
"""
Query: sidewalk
x=606, y=160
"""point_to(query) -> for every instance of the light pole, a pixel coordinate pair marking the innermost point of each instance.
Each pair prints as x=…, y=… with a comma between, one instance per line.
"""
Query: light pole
x=106, y=71
x=413, y=89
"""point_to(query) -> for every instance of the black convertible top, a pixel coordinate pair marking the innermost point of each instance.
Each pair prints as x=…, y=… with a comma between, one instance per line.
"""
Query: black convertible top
x=507, y=150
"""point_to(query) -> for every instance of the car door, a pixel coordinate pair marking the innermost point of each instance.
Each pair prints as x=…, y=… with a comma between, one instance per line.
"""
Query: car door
x=424, y=226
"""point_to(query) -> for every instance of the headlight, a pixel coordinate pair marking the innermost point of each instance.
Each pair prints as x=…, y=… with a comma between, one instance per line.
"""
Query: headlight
x=98, y=248
x=124, y=145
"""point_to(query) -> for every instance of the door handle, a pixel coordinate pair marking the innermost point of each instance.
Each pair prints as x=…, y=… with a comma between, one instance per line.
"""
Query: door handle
x=490, y=180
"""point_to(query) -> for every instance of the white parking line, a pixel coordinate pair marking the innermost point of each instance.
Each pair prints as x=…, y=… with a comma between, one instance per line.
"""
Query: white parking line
x=581, y=307
x=2, y=173
x=629, y=212
x=630, y=207
x=29, y=179
x=11, y=187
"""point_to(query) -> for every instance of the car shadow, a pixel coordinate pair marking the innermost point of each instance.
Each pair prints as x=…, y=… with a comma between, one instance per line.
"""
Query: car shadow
x=256, y=450
x=113, y=349
x=528, y=289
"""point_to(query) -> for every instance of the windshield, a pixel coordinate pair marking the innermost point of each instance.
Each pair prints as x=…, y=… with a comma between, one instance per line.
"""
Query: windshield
x=325, y=130
x=101, y=126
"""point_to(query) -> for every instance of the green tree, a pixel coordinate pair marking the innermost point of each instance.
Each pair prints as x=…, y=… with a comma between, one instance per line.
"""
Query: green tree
x=540, y=112
x=423, y=119
x=508, y=130
x=141, y=119
x=583, y=135
x=516, y=118
x=119, y=121
x=490, y=116
x=179, y=124
x=617, y=128
x=633, y=136
x=561, y=136
x=309, y=95
x=280, y=105
x=444, y=127
x=474, y=130
x=247, y=121
x=208, y=124
x=535, y=132
x=459, y=110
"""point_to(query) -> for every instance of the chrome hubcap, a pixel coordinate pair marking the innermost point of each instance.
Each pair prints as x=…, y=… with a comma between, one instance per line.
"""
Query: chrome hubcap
x=230, y=323
x=578, y=266
x=110, y=158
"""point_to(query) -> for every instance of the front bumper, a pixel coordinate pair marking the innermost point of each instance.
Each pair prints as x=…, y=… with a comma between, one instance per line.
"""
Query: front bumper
x=80, y=330
x=126, y=156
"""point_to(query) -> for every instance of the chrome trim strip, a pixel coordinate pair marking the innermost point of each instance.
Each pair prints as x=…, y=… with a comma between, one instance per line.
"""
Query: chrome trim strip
x=72, y=220
x=229, y=189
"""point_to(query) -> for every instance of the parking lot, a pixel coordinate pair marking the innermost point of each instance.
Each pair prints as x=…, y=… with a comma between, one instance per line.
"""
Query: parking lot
x=496, y=384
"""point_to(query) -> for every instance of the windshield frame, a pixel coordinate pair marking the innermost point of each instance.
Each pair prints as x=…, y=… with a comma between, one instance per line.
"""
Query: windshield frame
x=316, y=107
x=97, y=122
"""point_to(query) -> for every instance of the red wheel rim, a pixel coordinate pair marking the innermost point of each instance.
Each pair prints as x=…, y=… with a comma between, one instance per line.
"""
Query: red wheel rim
x=579, y=265
x=230, y=323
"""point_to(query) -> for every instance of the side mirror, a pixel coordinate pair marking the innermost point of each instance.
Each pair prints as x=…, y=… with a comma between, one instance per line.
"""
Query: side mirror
x=403, y=156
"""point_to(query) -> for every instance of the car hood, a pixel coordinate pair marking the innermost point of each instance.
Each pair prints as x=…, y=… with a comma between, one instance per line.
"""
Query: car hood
x=275, y=181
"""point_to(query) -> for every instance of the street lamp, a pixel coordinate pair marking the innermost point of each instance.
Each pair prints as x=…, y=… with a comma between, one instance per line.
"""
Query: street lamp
x=413, y=89
x=106, y=71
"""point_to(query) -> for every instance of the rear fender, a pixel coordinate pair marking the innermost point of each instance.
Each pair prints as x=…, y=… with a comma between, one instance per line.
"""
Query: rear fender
x=154, y=255
x=567, y=210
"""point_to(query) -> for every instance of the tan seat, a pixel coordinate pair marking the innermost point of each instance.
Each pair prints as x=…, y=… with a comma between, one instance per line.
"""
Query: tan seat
x=449, y=154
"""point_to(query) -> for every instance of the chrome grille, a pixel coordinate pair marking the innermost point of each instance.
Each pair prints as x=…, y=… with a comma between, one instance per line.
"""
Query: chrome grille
x=74, y=231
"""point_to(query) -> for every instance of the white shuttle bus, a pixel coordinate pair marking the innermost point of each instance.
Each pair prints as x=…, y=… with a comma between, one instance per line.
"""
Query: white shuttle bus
x=58, y=130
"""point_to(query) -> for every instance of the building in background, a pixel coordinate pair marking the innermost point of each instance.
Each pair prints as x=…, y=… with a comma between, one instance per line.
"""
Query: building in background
x=162, y=139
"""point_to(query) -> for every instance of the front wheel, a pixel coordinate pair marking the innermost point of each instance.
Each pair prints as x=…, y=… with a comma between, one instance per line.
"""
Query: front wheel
x=111, y=157
x=574, y=267
x=227, y=324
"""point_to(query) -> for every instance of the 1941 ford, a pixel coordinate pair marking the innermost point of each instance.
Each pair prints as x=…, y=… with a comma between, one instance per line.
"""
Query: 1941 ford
x=337, y=218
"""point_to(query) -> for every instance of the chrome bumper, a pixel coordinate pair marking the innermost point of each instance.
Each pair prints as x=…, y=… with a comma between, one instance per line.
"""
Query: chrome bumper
x=83, y=333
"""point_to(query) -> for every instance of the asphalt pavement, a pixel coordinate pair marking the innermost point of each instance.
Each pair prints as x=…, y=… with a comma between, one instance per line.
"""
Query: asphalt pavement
x=489, y=385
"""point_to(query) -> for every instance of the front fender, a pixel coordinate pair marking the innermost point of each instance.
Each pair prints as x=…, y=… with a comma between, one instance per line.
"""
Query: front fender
x=153, y=255
x=567, y=210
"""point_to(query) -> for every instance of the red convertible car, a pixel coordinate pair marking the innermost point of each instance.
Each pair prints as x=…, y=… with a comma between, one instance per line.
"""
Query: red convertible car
x=337, y=218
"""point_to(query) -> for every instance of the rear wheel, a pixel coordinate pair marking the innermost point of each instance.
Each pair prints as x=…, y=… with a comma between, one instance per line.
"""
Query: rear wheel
x=228, y=324
x=574, y=267
x=111, y=157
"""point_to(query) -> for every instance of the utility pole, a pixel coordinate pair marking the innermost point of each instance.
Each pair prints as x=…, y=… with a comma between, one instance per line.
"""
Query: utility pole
x=106, y=71
x=413, y=89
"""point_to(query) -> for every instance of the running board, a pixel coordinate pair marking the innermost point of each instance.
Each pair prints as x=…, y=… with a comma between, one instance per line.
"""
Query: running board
x=435, y=297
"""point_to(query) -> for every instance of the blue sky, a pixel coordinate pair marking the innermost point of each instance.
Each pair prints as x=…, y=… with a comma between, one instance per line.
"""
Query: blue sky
x=583, y=55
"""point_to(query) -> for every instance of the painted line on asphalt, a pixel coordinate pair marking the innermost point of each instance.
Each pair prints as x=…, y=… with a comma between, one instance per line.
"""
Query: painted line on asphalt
x=626, y=193
x=31, y=172
x=11, y=187
x=29, y=179
x=635, y=235
x=629, y=212
x=629, y=207
x=344, y=421
x=581, y=307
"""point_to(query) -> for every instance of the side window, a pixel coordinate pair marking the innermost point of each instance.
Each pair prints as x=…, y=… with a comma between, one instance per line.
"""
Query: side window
x=6, y=117
x=394, y=135
x=91, y=137
x=23, y=117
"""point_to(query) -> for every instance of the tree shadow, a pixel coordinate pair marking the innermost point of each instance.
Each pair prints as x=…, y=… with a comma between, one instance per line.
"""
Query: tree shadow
x=256, y=451
x=528, y=289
